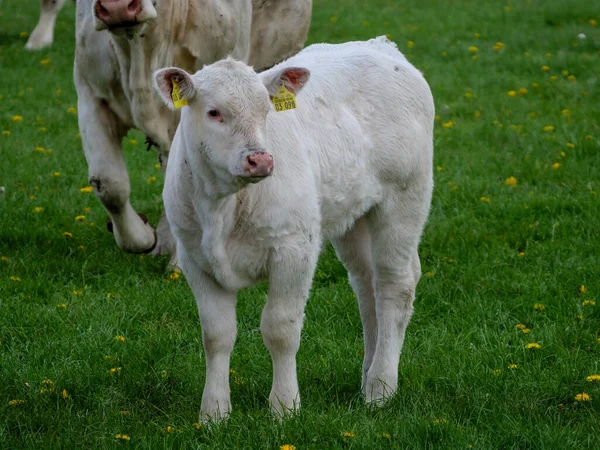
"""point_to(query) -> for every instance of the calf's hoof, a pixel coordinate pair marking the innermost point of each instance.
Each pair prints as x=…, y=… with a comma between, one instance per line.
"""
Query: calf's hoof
x=141, y=240
x=379, y=390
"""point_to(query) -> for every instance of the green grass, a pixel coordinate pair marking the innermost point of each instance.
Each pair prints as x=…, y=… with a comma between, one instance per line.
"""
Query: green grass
x=456, y=388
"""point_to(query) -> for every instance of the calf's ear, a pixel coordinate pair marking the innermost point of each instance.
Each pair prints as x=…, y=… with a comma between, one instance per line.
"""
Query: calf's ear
x=293, y=78
x=175, y=86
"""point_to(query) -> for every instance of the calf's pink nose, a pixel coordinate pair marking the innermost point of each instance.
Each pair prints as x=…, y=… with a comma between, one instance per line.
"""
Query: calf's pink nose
x=259, y=164
x=116, y=12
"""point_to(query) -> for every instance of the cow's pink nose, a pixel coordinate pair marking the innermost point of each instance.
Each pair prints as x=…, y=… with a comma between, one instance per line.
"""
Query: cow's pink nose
x=117, y=12
x=259, y=164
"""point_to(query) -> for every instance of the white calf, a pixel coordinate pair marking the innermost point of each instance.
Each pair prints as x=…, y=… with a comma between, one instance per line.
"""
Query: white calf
x=250, y=194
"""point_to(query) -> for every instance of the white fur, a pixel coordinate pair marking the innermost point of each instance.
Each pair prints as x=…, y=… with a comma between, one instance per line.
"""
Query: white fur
x=353, y=164
x=113, y=81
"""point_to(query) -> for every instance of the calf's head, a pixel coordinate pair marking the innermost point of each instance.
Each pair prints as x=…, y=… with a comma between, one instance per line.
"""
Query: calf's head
x=226, y=114
x=123, y=17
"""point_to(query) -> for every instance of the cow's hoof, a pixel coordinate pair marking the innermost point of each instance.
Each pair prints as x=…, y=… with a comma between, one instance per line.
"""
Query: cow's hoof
x=37, y=42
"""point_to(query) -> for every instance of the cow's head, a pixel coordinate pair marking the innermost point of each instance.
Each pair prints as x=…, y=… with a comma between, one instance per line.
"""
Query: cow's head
x=226, y=114
x=123, y=17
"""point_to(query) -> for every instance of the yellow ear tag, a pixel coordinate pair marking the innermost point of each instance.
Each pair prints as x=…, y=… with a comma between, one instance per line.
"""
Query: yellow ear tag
x=178, y=100
x=284, y=99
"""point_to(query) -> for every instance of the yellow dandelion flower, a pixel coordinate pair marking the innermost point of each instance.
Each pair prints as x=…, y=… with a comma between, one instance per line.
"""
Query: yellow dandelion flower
x=553, y=78
x=477, y=113
x=570, y=145
x=23, y=34
x=86, y=189
x=64, y=394
x=47, y=381
x=62, y=305
x=56, y=174
x=286, y=447
x=197, y=426
x=444, y=54
x=410, y=44
x=79, y=218
x=525, y=330
x=507, y=9
x=42, y=129
x=440, y=421
x=485, y=199
x=571, y=77
x=477, y=35
x=588, y=303
x=45, y=62
x=512, y=93
x=523, y=91
x=593, y=378
x=67, y=234
x=40, y=149
x=6, y=133
x=114, y=370
x=520, y=326
x=122, y=437
x=579, y=317
x=120, y=338
x=497, y=372
x=169, y=429
x=17, y=119
x=348, y=434
x=511, y=181
x=473, y=49
x=4, y=258
x=512, y=366
x=72, y=110
x=521, y=253
x=81, y=247
x=588, y=137
x=151, y=180
x=556, y=165
x=449, y=124
x=592, y=22
x=538, y=307
x=174, y=275
x=546, y=68
x=548, y=128
x=58, y=92
x=124, y=412
x=388, y=435
x=583, y=397
x=468, y=95
x=582, y=289
x=13, y=278
x=498, y=46
x=77, y=292
x=564, y=73
x=535, y=85
x=132, y=141
x=157, y=166
x=15, y=402
x=533, y=345
x=429, y=274
x=112, y=294
x=365, y=23
x=333, y=19
x=38, y=209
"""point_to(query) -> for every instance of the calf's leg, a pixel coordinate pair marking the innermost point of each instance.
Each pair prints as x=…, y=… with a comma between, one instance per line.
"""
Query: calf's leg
x=291, y=272
x=216, y=308
x=101, y=134
x=43, y=33
x=395, y=227
x=354, y=250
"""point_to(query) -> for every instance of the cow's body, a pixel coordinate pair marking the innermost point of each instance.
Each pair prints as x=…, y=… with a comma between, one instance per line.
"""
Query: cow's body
x=353, y=164
x=113, y=80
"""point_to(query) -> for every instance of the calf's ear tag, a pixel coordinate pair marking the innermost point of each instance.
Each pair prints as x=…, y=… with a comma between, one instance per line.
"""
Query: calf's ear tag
x=178, y=100
x=284, y=100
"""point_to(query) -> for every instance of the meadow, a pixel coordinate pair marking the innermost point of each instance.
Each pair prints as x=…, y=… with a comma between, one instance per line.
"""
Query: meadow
x=101, y=349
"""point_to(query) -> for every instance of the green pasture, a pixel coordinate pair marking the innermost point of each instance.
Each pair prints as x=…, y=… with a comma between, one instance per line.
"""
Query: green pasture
x=97, y=346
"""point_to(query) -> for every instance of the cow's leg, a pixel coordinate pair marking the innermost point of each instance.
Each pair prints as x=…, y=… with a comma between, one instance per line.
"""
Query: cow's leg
x=290, y=277
x=165, y=241
x=395, y=227
x=43, y=33
x=216, y=308
x=101, y=133
x=354, y=250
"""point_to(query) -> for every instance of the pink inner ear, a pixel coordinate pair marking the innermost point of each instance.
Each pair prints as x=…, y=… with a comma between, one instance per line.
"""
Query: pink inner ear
x=294, y=79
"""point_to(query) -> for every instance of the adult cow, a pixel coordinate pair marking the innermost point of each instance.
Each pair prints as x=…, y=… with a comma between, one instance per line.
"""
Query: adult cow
x=120, y=43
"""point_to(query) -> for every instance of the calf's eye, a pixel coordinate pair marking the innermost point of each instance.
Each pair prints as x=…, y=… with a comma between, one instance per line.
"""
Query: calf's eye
x=214, y=114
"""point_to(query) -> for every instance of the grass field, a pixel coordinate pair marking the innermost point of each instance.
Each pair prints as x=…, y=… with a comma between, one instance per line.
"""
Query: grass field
x=95, y=343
